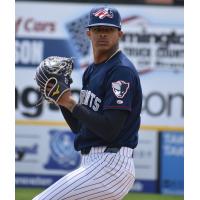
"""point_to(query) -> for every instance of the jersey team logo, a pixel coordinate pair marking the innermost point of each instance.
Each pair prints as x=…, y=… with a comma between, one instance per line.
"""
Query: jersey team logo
x=102, y=13
x=120, y=88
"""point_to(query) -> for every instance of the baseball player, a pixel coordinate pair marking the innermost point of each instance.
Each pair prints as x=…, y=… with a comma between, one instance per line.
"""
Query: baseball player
x=106, y=119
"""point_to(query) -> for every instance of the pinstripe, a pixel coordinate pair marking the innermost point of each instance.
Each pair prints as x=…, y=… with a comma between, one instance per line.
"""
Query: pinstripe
x=97, y=183
x=90, y=177
x=118, y=196
x=59, y=185
x=122, y=195
x=127, y=159
x=118, y=192
x=114, y=167
x=98, y=172
x=101, y=191
x=54, y=185
x=85, y=181
x=97, y=156
x=112, y=160
x=97, y=187
x=133, y=168
x=80, y=177
x=111, y=165
x=128, y=165
x=111, y=192
x=125, y=151
x=110, y=182
x=83, y=160
x=121, y=163
x=91, y=157
x=126, y=188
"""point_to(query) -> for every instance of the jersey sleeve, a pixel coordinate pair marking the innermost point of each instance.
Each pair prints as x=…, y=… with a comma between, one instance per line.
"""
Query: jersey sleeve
x=119, y=89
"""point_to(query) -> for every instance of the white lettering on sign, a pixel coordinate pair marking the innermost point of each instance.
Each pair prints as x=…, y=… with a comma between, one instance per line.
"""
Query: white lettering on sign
x=28, y=52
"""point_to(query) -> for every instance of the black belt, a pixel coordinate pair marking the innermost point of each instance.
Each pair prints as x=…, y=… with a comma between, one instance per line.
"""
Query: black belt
x=86, y=151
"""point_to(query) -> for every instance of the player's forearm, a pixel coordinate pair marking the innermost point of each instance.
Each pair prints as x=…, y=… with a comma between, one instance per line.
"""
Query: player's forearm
x=106, y=125
x=73, y=123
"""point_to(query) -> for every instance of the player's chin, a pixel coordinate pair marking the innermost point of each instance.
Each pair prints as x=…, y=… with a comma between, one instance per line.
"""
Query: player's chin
x=103, y=47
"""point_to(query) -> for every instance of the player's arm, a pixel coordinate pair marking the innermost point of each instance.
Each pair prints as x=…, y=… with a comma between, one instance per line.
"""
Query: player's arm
x=106, y=125
x=73, y=122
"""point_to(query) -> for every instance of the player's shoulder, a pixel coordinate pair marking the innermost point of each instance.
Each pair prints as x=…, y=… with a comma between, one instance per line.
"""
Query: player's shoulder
x=86, y=73
x=88, y=68
x=123, y=64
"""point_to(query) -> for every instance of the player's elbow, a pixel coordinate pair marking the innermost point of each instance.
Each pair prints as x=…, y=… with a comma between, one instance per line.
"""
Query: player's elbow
x=75, y=129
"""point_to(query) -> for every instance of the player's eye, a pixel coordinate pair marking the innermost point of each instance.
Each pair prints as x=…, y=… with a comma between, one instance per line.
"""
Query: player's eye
x=102, y=29
x=96, y=29
x=110, y=29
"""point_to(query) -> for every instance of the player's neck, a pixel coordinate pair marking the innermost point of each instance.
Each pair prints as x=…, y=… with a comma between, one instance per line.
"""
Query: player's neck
x=100, y=57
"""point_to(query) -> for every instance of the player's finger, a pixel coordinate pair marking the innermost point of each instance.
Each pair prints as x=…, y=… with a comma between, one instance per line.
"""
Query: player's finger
x=49, y=86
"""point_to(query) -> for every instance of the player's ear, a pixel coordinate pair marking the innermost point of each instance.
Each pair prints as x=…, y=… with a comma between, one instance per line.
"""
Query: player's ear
x=88, y=33
x=120, y=33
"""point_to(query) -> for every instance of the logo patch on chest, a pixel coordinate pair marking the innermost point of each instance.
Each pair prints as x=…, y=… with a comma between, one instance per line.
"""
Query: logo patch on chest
x=120, y=88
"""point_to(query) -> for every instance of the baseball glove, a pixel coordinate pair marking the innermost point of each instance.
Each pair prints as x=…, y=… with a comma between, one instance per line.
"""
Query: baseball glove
x=53, y=76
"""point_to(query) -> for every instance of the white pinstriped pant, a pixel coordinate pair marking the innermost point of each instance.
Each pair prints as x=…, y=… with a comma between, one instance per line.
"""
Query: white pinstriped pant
x=101, y=176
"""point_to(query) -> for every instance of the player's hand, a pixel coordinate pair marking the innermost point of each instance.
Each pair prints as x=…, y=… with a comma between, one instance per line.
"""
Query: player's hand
x=49, y=86
x=53, y=76
x=67, y=101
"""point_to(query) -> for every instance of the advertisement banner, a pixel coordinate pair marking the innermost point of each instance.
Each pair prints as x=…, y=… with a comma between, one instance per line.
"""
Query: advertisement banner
x=146, y=162
x=162, y=106
x=172, y=154
x=154, y=42
x=46, y=152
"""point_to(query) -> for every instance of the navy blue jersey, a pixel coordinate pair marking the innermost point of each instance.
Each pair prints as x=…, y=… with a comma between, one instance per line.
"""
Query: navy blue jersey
x=113, y=84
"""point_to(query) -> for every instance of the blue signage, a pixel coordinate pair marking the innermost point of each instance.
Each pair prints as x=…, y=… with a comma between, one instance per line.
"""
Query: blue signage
x=172, y=163
x=146, y=186
x=63, y=155
x=35, y=180
x=29, y=52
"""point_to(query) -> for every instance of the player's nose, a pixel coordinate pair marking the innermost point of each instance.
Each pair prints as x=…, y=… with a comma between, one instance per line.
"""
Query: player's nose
x=103, y=35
